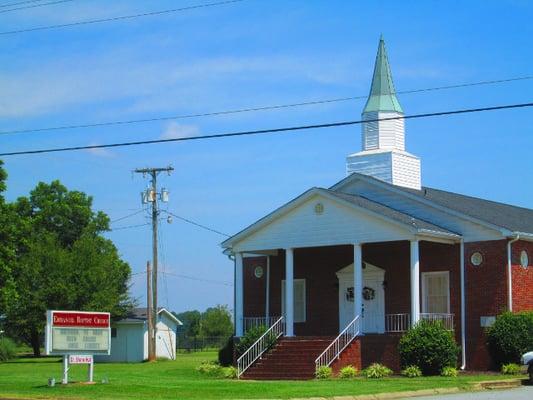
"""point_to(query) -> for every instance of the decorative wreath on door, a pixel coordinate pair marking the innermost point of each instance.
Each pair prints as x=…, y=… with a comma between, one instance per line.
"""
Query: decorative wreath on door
x=368, y=293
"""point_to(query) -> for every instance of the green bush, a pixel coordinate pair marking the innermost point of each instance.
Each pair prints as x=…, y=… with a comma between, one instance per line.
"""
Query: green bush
x=412, y=371
x=348, y=372
x=251, y=336
x=323, y=372
x=8, y=349
x=376, y=371
x=225, y=354
x=510, y=337
x=215, y=370
x=449, y=372
x=429, y=346
x=511, y=369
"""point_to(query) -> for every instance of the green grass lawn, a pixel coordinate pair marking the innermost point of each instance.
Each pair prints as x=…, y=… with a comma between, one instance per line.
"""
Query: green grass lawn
x=27, y=378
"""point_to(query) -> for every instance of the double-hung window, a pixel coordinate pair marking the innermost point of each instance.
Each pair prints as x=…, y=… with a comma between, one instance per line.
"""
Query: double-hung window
x=299, y=299
x=436, y=292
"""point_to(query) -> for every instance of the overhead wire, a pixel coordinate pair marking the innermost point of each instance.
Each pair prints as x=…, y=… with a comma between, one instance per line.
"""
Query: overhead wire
x=256, y=109
x=189, y=221
x=20, y=2
x=129, y=227
x=265, y=131
x=35, y=6
x=120, y=18
x=127, y=216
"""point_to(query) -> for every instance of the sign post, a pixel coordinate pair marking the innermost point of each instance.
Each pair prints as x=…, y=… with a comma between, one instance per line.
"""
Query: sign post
x=77, y=336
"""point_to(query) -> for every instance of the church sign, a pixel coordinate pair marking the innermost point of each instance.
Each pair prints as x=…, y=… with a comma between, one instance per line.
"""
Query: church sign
x=77, y=336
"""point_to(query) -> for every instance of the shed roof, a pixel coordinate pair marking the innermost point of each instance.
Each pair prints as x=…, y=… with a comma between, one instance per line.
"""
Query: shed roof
x=139, y=315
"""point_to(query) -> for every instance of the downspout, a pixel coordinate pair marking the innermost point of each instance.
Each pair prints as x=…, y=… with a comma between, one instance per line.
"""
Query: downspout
x=232, y=258
x=267, y=289
x=510, y=272
x=463, y=305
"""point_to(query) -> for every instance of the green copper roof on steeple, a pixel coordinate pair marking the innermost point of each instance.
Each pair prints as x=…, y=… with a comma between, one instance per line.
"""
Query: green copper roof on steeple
x=382, y=93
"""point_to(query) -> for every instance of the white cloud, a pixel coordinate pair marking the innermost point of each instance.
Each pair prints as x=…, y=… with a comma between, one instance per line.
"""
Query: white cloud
x=100, y=152
x=173, y=130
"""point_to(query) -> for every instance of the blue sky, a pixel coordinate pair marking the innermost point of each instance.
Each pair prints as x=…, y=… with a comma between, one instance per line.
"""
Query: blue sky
x=248, y=54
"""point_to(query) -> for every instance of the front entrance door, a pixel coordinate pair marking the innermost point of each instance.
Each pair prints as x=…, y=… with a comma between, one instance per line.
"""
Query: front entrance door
x=373, y=312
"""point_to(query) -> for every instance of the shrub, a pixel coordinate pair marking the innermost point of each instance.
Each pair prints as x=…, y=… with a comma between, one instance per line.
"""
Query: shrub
x=511, y=369
x=213, y=369
x=323, y=372
x=8, y=349
x=510, y=337
x=225, y=354
x=348, y=372
x=251, y=336
x=412, y=371
x=449, y=372
x=376, y=371
x=429, y=346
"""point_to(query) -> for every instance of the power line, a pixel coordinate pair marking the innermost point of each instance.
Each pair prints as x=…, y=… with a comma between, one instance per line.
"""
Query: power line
x=35, y=5
x=263, y=131
x=129, y=227
x=194, y=278
x=196, y=224
x=198, y=279
x=119, y=18
x=255, y=109
x=127, y=216
x=20, y=2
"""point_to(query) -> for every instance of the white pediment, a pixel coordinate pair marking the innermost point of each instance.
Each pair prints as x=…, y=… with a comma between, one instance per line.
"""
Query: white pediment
x=318, y=219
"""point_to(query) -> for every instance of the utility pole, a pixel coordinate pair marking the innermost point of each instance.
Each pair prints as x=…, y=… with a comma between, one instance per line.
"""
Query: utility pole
x=152, y=196
x=149, y=312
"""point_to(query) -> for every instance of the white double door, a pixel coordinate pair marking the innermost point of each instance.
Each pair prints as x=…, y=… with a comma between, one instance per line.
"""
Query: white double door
x=373, y=312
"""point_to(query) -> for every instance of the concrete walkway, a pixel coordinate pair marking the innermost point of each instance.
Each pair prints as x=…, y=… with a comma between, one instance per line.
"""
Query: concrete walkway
x=521, y=393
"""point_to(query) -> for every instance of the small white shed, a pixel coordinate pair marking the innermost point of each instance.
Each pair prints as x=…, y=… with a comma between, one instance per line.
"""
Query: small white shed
x=129, y=337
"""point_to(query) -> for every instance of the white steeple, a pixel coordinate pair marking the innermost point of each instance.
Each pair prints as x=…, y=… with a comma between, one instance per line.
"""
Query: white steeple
x=383, y=154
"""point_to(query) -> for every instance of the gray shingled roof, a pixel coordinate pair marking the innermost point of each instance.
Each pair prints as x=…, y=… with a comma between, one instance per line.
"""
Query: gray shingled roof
x=513, y=218
x=136, y=315
x=517, y=219
x=389, y=212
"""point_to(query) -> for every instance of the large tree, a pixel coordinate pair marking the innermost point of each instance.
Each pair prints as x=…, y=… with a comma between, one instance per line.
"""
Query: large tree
x=216, y=321
x=64, y=263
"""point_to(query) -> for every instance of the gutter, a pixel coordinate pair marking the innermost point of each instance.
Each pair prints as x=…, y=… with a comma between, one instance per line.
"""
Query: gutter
x=463, y=305
x=510, y=272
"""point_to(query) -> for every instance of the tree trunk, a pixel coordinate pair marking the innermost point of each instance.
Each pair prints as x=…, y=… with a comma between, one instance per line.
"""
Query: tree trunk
x=36, y=343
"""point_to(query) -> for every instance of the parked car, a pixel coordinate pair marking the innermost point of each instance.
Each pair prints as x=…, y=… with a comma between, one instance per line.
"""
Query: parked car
x=527, y=359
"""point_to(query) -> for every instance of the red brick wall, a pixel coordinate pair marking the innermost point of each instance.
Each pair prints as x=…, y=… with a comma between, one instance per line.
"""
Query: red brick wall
x=486, y=295
x=522, y=277
x=254, y=288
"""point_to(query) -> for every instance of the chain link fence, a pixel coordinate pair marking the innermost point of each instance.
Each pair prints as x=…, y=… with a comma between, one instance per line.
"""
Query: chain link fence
x=186, y=344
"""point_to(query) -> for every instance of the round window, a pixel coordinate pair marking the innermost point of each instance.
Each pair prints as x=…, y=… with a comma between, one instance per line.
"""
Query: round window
x=476, y=258
x=258, y=272
x=524, y=259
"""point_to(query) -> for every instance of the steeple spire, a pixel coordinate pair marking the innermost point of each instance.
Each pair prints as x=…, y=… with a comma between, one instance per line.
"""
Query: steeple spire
x=382, y=95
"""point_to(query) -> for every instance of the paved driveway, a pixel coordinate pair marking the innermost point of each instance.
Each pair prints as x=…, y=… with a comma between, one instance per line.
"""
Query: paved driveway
x=521, y=393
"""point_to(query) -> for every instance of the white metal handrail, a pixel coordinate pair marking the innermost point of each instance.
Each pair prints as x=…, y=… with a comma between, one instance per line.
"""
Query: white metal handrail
x=253, y=322
x=338, y=345
x=261, y=345
x=445, y=319
x=397, y=322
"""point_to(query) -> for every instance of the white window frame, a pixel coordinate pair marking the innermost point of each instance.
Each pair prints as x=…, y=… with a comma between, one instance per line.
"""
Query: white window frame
x=304, y=300
x=424, y=276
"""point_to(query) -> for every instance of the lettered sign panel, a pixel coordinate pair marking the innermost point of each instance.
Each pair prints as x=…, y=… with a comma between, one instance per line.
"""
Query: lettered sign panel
x=77, y=332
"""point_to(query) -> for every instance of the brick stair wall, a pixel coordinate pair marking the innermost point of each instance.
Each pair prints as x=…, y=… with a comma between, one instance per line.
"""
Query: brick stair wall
x=291, y=358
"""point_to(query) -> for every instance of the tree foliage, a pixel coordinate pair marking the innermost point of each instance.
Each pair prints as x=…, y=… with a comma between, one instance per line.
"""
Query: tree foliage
x=53, y=256
x=216, y=321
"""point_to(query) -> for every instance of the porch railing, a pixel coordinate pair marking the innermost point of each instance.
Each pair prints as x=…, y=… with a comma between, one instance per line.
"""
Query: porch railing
x=261, y=345
x=397, y=322
x=342, y=341
x=253, y=322
x=445, y=319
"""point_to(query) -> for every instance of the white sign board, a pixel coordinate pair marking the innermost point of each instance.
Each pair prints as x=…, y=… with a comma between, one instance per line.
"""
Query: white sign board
x=80, y=359
x=77, y=332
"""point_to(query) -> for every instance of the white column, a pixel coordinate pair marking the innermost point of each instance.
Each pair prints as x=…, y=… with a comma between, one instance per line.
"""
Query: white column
x=357, y=279
x=239, y=290
x=289, y=292
x=415, y=282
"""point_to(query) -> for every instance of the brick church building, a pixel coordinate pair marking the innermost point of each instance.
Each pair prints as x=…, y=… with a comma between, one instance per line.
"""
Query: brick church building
x=340, y=273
